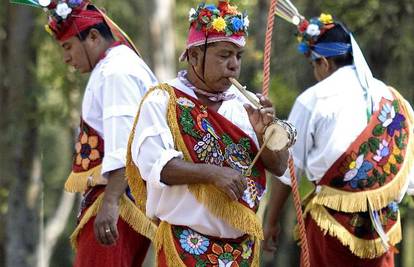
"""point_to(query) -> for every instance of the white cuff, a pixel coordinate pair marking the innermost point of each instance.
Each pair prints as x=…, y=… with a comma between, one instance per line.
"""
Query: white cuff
x=154, y=177
x=113, y=161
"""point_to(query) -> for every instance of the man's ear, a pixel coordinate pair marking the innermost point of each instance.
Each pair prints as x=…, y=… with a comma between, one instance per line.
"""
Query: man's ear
x=94, y=35
x=325, y=64
x=193, y=56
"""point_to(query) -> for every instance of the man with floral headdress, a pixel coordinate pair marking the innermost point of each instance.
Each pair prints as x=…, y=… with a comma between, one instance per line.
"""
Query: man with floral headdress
x=355, y=144
x=111, y=228
x=193, y=142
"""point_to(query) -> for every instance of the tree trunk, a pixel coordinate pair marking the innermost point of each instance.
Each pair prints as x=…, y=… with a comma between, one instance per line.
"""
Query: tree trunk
x=20, y=142
x=162, y=32
x=54, y=228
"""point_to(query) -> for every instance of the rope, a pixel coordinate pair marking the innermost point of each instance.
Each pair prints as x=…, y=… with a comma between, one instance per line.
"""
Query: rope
x=265, y=92
x=299, y=215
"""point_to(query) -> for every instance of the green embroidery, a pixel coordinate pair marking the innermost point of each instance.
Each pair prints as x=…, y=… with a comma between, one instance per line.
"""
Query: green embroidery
x=227, y=139
x=245, y=142
x=187, y=122
x=374, y=144
x=378, y=130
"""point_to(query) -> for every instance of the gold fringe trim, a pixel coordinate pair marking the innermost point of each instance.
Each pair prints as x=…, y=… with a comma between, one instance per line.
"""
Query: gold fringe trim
x=127, y=211
x=357, y=201
x=164, y=240
x=135, y=181
x=221, y=206
x=366, y=249
x=78, y=182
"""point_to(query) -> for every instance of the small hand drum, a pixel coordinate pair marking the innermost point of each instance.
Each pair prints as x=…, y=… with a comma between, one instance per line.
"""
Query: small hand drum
x=281, y=135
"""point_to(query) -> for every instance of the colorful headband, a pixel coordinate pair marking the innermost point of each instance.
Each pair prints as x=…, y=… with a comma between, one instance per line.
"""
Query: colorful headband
x=210, y=23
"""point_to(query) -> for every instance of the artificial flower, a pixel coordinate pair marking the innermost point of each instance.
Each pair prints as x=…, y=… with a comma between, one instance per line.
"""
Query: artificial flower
x=326, y=18
x=191, y=14
x=219, y=24
x=313, y=30
x=75, y=2
x=246, y=22
x=237, y=24
x=63, y=10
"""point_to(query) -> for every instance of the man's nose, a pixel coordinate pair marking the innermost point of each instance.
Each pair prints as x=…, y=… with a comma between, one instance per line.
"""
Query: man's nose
x=66, y=58
x=234, y=63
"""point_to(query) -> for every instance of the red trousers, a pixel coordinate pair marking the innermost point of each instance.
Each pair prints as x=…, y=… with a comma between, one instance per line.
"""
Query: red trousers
x=129, y=250
x=327, y=251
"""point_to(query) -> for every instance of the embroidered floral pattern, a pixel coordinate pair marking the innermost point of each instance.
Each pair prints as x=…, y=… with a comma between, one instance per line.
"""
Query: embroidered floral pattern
x=196, y=249
x=193, y=242
x=380, y=156
x=208, y=150
x=391, y=119
x=358, y=170
x=213, y=146
x=86, y=150
x=224, y=256
x=237, y=157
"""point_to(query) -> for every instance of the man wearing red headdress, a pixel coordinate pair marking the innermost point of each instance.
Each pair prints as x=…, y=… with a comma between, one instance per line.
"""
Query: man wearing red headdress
x=192, y=146
x=111, y=228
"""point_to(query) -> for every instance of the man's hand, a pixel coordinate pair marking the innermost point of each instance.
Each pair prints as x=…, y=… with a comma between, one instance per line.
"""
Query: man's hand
x=229, y=181
x=106, y=220
x=271, y=236
x=260, y=118
x=105, y=225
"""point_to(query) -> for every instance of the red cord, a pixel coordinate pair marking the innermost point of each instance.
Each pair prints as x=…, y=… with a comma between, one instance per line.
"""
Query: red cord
x=265, y=92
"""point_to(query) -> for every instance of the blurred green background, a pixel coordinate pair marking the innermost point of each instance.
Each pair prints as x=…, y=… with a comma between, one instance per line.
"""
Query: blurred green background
x=40, y=99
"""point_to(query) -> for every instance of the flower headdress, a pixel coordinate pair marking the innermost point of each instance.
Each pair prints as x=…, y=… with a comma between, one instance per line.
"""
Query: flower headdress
x=67, y=18
x=210, y=23
x=310, y=31
x=224, y=18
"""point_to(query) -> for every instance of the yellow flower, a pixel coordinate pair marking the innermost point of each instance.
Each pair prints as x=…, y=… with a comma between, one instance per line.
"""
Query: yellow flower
x=48, y=30
x=326, y=18
x=219, y=24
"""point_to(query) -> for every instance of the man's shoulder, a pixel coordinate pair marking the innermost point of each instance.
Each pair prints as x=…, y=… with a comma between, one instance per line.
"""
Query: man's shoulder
x=123, y=60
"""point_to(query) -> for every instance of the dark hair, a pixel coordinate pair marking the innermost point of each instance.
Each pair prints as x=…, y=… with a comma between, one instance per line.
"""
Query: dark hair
x=338, y=34
x=102, y=28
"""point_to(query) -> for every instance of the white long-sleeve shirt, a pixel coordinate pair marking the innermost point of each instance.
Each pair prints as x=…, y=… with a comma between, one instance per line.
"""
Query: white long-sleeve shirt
x=111, y=100
x=153, y=147
x=329, y=116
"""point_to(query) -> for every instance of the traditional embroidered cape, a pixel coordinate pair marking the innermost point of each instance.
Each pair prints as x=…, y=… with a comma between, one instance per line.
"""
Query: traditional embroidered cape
x=372, y=172
x=204, y=136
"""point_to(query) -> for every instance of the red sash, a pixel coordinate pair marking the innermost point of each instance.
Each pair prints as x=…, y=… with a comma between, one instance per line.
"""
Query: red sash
x=376, y=156
x=368, y=168
x=211, y=138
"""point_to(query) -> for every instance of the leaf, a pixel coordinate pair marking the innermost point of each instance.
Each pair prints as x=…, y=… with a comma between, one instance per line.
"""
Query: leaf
x=396, y=107
x=374, y=144
x=394, y=169
x=378, y=130
x=364, y=148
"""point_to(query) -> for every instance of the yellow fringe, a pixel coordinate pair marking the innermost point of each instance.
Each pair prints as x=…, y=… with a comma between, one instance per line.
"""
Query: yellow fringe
x=164, y=240
x=127, y=211
x=135, y=181
x=357, y=201
x=78, y=181
x=366, y=249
